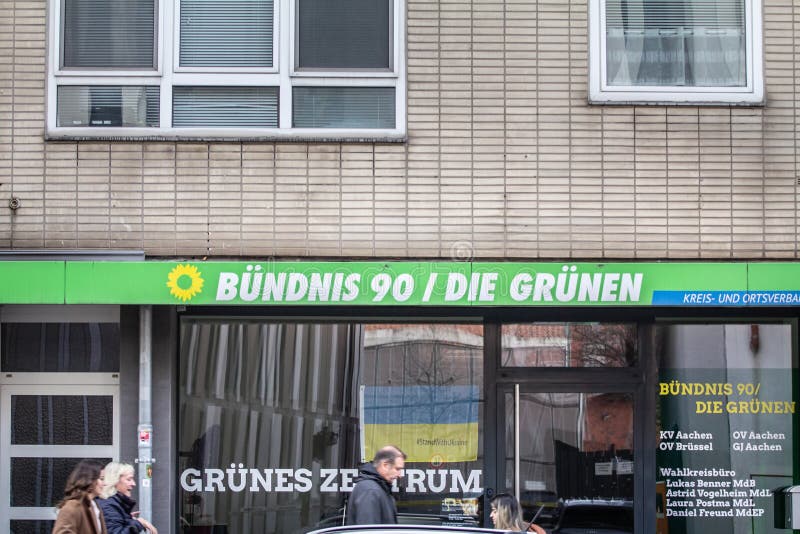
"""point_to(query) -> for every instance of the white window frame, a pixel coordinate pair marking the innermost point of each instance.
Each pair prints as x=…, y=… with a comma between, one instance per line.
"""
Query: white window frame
x=55, y=44
x=178, y=69
x=44, y=384
x=341, y=73
x=52, y=383
x=282, y=75
x=602, y=93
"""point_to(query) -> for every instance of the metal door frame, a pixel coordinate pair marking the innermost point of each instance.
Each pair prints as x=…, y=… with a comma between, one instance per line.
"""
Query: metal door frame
x=634, y=380
x=79, y=384
x=518, y=388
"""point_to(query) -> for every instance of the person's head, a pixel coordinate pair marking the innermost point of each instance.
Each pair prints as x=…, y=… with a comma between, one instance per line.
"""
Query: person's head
x=84, y=482
x=119, y=478
x=389, y=463
x=506, y=513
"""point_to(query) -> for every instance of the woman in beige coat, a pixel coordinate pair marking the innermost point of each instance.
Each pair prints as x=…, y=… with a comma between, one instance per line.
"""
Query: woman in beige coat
x=77, y=511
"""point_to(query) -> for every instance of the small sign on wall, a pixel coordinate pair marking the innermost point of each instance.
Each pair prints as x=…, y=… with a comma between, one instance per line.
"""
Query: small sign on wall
x=603, y=469
x=624, y=467
x=145, y=435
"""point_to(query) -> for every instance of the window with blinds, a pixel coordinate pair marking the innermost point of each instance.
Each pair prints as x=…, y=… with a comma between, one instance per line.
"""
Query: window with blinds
x=236, y=33
x=343, y=34
x=104, y=106
x=228, y=69
x=344, y=107
x=677, y=51
x=225, y=107
x=675, y=42
x=108, y=34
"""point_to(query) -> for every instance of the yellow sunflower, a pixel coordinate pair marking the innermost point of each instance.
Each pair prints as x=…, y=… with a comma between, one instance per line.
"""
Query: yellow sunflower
x=185, y=282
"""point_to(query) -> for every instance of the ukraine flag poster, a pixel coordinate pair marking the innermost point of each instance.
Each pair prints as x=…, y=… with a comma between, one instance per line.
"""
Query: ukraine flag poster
x=431, y=424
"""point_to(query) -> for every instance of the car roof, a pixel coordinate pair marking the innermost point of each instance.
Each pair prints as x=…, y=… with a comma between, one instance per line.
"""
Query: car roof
x=406, y=529
x=596, y=502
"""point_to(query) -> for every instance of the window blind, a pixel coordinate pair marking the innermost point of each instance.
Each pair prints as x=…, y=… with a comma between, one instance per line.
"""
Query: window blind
x=107, y=105
x=344, y=34
x=232, y=33
x=698, y=43
x=344, y=107
x=248, y=107
x=108, y=34
x=675, y=14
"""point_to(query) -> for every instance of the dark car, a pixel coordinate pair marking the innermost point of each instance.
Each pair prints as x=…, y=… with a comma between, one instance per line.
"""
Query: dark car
x=595, y=517
x=402, y=519
x=461, y=511
x=405, y=529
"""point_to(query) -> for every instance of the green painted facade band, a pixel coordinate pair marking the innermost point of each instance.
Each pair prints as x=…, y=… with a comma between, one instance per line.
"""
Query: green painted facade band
x=32, y=282
x=401, y=283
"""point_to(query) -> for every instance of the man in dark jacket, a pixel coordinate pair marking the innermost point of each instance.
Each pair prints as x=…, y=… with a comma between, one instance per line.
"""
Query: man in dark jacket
x=371, y=502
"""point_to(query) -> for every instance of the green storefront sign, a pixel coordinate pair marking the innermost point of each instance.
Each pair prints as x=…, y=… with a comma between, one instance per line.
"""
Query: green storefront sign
x=401, y=283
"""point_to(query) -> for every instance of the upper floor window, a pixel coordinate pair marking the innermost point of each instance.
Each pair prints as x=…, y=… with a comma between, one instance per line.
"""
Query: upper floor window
x=272, y=69
x=676, y=51
x=365, y=24
x=112, y=34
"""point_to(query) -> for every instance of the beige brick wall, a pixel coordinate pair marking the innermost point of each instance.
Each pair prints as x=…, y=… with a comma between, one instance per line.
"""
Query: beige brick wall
x=504, y=160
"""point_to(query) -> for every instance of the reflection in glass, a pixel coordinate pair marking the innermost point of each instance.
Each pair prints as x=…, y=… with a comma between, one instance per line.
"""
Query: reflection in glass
x=60, y=347
x=431, y=376
x=708, y=375
x=569, y=345
x=264, y=396
x=573, y=447
x=107, y=105
x=40, y=482
x=62, y=419
x=22, y=526
x=277, y=405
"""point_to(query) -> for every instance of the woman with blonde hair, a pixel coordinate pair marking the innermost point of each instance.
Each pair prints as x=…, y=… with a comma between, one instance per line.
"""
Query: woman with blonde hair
x=77, y=511
x=507, y=515
x=117, y=504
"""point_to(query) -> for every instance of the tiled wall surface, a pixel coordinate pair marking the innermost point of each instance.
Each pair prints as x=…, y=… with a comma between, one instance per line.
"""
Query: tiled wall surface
x=504, y=159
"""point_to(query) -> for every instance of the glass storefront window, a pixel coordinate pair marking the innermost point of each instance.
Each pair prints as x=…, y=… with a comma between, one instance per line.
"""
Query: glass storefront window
x=276, y=417
x=574, y=461
x=724, y=420
x=569, y=345
x=422, y=386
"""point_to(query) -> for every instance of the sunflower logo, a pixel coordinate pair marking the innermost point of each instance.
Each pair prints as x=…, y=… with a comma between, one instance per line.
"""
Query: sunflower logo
x=184, y=282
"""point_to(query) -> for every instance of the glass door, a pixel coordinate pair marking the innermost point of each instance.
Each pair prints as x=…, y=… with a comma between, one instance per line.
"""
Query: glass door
x=50, y=428
x=568, y=457
x=59, y=403
x=568, y=422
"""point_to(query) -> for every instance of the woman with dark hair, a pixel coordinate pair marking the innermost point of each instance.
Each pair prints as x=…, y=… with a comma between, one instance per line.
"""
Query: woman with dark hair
x=77, y=511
